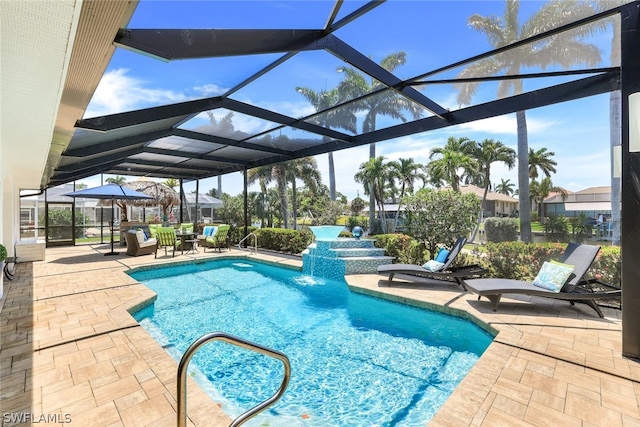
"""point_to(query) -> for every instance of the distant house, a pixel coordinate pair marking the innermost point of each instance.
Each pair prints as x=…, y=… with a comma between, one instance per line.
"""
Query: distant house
x=496, y=204
x=593, y=201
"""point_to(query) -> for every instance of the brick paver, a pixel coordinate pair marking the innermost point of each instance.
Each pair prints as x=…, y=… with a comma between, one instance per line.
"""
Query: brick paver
x=69, y=348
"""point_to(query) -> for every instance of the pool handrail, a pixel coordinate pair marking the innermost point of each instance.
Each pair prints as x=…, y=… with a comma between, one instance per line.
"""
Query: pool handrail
x=230, y=339
x=255, y=243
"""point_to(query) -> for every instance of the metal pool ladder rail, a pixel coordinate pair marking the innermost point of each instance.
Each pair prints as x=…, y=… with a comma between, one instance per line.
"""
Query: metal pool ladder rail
x=221, y=336
x=255, y=243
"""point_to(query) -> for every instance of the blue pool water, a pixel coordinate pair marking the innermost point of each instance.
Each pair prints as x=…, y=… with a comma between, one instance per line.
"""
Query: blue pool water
x=355, y=360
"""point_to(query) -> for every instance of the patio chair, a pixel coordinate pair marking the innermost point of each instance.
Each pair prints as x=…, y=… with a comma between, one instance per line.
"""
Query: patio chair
x=575, y=288
x=138, y=245
x=186, y=227
x=167, y=239
x=152, y=229
x=219, y=240
x=444, y=272
x=207, y=231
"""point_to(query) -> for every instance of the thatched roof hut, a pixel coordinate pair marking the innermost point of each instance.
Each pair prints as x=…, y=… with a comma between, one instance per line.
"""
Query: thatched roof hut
x=162, y=194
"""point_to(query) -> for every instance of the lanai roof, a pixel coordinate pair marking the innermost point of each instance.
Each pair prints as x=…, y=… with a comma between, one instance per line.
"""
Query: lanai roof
x=163, y=141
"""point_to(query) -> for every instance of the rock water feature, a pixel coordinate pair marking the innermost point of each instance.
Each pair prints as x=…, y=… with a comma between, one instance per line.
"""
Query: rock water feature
x=331, y=257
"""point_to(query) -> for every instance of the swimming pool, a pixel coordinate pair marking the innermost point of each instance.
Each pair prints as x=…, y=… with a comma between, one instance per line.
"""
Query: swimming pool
x=356, y=360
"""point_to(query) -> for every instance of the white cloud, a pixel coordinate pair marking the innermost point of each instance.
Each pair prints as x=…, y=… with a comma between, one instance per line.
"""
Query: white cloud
x=117, y=93
x=210, y=90
x=505, y=125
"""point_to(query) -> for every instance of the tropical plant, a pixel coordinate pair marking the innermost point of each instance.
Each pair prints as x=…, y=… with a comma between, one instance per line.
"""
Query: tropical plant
x=116, y=180
x=438, y=217
x=386, y=103
x=337, y=118
x=505, y=187
x=580, y=227
x=172, y=183
x=556, y=228
x=406, y=171
x=564, y=50
x=305, y=169
x=486, y=153
x=357, y=205
x=538, y=191
x=375, y=177
x=454, y=158
x=541, y=161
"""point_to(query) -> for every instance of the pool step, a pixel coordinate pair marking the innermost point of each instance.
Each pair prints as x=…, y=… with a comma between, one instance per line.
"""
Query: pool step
x=334, y=258
x=357, y=252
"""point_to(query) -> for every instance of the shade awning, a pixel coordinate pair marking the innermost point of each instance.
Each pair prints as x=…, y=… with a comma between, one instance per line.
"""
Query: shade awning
x=588, y=206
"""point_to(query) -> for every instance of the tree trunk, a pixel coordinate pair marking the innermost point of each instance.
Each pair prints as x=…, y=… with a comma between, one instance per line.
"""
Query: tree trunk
x=372, y=197
x=484, y=197
x=523, y=178
x=219, y=186
x=332, y=178
x=294, y=202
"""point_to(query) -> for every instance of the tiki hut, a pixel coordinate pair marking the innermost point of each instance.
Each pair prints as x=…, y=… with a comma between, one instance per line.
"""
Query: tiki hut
x=162, y=194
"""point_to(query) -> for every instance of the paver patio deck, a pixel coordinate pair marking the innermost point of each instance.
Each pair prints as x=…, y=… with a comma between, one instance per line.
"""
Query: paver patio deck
x=69, y=349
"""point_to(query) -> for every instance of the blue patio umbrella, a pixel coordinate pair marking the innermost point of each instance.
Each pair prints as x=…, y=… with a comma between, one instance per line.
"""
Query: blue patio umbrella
x=109, y=191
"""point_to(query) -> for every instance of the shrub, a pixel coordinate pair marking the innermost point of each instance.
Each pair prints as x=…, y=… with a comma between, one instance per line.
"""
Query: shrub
x=607, y=266
x=521, y=261
x=236, y=233
x=353, y=221
x=439, y=217
x=283, y=240
x=518, y=260
x=405, y=249
x=501, y=229
x=3, y=253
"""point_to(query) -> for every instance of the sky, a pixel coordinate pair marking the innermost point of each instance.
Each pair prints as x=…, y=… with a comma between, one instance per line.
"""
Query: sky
x=432, y=33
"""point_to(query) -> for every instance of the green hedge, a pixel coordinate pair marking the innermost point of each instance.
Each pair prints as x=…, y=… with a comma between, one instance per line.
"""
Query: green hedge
x=283, y=240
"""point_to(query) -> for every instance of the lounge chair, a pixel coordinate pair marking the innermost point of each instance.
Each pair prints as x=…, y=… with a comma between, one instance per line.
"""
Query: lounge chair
x=137, y=245
x=575, y=289
x=167, y=239
x=446, y=272
x=219, y=240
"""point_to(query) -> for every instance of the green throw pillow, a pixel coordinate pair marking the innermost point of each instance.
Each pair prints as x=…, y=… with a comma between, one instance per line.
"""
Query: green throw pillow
x=553, y=275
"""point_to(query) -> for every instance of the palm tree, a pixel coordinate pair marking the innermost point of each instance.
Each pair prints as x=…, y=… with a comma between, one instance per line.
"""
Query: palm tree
x=564, y=50
x=542, y=160
x=505, y=187
x=486, y=153
x=541, y=190
x=407, y=172
x=338, y=118
x=172, y=182
x=455, y=155
x=305, y=169
x=117, y=180
x=387, y=103
x=374, y=176
x=263, y=175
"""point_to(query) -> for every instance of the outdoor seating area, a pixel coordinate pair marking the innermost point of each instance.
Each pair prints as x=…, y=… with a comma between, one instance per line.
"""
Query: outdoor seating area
x=89, y=358
x=444, y=270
